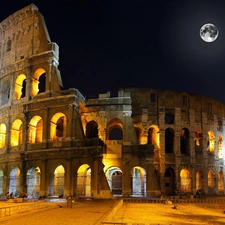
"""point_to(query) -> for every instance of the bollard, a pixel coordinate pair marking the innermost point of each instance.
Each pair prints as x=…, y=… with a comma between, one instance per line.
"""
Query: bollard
x=69, y=202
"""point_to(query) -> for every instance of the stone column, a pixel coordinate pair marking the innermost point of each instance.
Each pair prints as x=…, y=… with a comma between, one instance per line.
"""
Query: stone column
x=67, y=190
x=46, y=128
x=43, y=188
x=70, y=126
x=126, y=177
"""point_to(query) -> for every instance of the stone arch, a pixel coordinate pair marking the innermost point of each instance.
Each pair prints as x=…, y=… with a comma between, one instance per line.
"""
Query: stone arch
x=14, y=181
x=185, y=181
x=5, y=92
x=220, y=182
x=35, y=130
x=33, y=182
x=16, y=132
x=115, y=130
x=59, y=173
x=115, y=180
x=38, y=81
x=220, y=146
x=169, y=140
x=184, y=141
x=2, y=135
x=58, y=127
x=198, y=140
x=169, y=181
x=153, y=136
x=210, y=142
x=138, y=181
x=211, y=182
x=92, y=129
x=199, y=180
x=20, y=87
x=84, y=180
x=138, y=134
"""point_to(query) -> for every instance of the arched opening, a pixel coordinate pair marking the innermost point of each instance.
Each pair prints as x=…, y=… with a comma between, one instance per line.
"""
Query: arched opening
x=59, y=181
x=198, y=141
x=14, y=181
x=211, y=182
x=20, y=87
x=169, y=179
x=184, y=141
x=92, y=129
x=220, y=182
x=138, y=134
x=199, y=181
x=2, y=135
x=38, y=82
x=114, y=178
x=138, y=181
x=210, y=142
x=84, y=181
x=169, y=140
x=58, y=127
x=185, y=181
x=33, y=182
x=220, y=147
x=16, y=133
x=115, y=130
x=35, y=130
x=1, y=182
x=5, y=92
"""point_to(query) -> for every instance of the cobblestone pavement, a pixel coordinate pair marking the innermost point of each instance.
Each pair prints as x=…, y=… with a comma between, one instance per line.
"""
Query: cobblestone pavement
x=83, y=212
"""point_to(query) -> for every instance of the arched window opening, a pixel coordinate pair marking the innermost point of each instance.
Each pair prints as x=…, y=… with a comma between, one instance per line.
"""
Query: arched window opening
x=169, y=140
x=115, y=130
x=20, y=87
x=138, y=134
x=38, y=82
x=58, y=127
x=59, y=181
x=35, y=130
x=116, y=134
x=5, y=92
x=210, y=142
x=220, y=125
x=2, y=135
x=92, y=129
x=84, y=181
x=33, y=182
x=169, y=118
x=184, y=141
x=220, y=182
x=114, y=178
x=211, y=182
x=198, y=139
x=138, y=181
x=185, y=181
x=220, y=147
x=169, y=179
x=199, y=181
x=8, y=45
x=14, y=181
x=16, y=133
x=153, y=136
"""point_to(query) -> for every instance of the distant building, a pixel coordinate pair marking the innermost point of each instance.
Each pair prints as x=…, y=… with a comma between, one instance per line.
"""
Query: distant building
x=54, y=142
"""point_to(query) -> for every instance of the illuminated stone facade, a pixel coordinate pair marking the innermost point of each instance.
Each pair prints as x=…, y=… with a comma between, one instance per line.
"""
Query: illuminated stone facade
x=55, y=142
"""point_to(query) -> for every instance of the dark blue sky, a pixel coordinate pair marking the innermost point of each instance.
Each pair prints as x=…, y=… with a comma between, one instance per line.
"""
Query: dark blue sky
x=107, y=45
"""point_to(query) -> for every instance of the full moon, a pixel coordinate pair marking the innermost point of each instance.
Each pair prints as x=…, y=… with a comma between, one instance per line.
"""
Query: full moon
x=209, y=32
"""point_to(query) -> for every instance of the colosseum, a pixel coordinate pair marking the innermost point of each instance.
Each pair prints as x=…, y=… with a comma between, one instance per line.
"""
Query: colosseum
x=54, y=142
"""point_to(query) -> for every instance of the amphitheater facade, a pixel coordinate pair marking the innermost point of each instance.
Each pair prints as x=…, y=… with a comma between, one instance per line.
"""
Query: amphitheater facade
x=55, y=142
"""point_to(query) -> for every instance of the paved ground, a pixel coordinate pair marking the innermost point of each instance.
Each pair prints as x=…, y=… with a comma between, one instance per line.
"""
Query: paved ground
x=92, y=212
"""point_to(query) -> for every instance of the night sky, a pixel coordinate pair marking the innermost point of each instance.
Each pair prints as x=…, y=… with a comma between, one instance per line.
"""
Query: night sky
x=107, y=45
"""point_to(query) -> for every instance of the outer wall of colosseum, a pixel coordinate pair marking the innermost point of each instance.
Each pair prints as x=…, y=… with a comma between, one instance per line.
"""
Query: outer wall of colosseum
x=54, y=142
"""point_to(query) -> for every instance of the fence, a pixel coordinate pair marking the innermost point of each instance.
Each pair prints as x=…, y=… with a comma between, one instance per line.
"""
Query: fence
x=24, y=208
